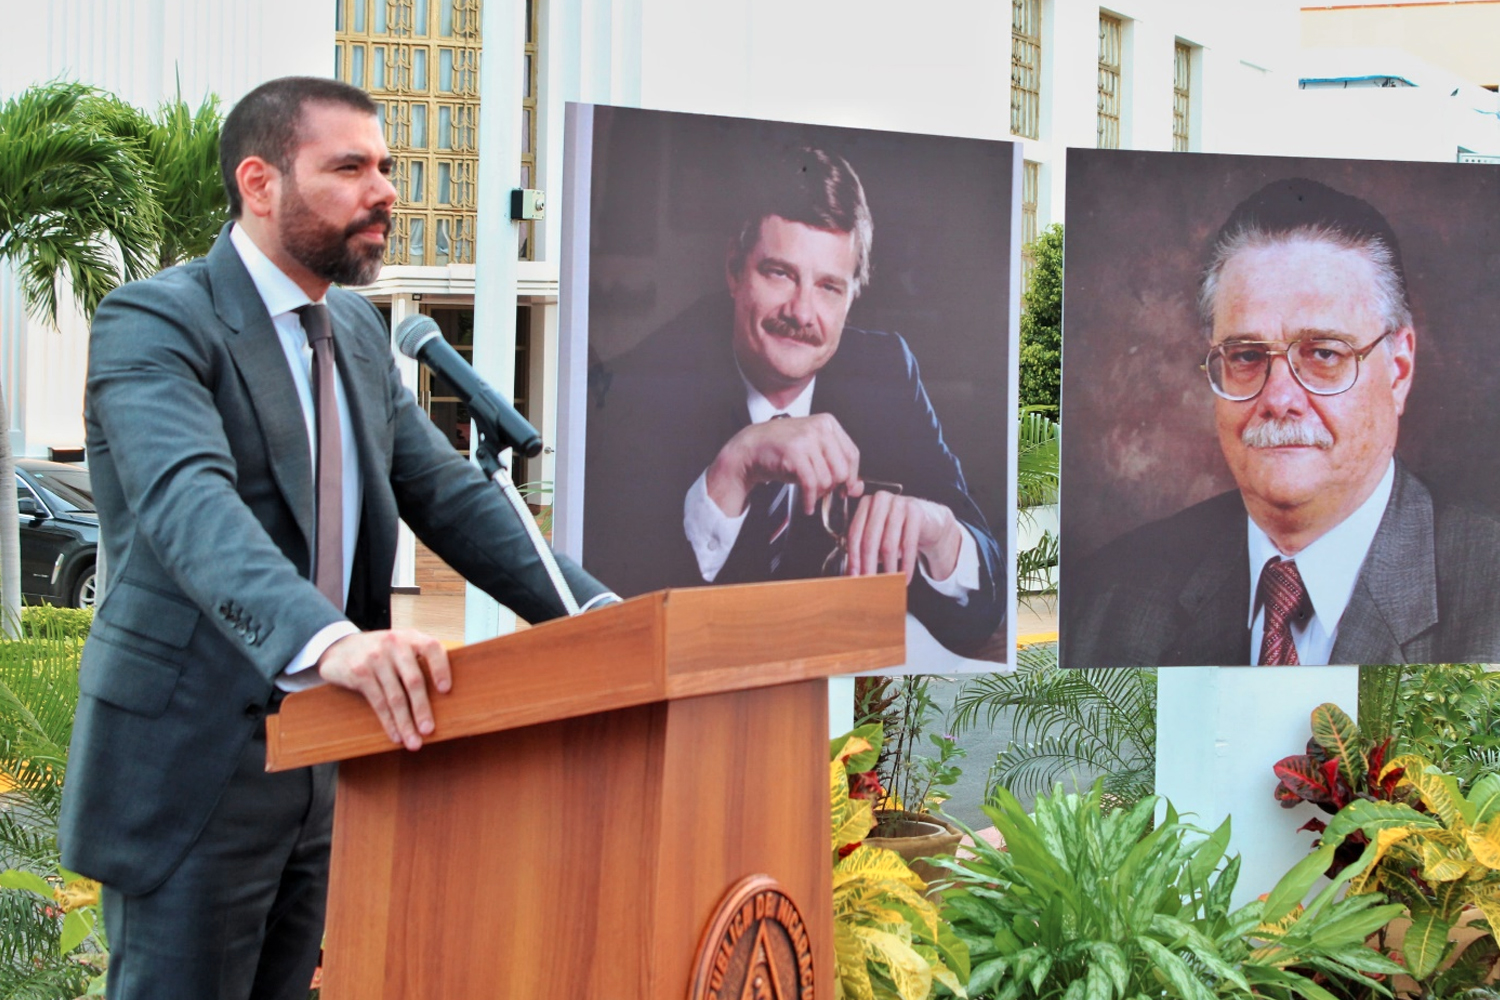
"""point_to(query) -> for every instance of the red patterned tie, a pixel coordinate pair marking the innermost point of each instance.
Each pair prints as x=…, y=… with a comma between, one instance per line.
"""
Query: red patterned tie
x=328, y=564
x=1285, y=598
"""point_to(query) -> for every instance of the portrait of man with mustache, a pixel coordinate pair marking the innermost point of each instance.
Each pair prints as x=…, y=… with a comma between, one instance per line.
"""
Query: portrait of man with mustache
x=1330, y=550
x=791, y=444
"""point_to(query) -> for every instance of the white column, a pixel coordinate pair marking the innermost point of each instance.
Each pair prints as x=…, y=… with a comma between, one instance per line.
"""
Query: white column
x=404, y=574
x=542, y=379
x=495, y=271
x=1219, y=730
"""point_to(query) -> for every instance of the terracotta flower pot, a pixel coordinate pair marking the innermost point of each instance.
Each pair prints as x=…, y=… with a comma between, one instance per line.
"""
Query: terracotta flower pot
x=913, y=836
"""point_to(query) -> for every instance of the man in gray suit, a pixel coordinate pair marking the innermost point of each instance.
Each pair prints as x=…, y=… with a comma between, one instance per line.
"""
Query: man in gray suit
x=1330, y=551
x=201, y=440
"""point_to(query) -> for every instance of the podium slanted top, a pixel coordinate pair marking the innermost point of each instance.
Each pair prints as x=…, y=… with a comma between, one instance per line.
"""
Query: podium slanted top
x=658, y=647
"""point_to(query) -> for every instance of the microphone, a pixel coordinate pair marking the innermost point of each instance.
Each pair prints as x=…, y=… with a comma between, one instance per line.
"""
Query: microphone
x=419, y=338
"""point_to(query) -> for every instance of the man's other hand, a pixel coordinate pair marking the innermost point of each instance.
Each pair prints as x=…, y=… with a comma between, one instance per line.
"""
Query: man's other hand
x=386, y=667
x=889, y=532
x=812, y=452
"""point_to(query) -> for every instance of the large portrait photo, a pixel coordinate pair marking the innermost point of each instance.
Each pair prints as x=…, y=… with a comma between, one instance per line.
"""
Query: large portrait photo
x=799, y=362
x=1281, y=444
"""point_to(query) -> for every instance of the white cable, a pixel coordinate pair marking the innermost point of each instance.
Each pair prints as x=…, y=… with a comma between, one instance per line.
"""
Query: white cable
x=508, y=489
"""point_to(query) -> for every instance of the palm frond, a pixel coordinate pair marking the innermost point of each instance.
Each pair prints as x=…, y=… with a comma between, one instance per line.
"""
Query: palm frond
x=1066, y=723
x=75, y=200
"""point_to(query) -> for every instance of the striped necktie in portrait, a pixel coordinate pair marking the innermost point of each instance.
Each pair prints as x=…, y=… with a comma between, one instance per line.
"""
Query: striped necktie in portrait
x=781, y=515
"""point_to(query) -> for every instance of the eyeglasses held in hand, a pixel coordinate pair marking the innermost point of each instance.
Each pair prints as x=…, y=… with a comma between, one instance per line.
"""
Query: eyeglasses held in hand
x=838, y=512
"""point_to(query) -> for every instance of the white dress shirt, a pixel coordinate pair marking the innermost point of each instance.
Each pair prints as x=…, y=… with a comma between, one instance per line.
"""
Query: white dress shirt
x=712, y=533
x=1329, y=568
x=282, y=297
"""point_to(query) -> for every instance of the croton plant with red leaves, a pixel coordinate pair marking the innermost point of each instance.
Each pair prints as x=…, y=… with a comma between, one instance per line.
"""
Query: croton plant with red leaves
x=1341, y=765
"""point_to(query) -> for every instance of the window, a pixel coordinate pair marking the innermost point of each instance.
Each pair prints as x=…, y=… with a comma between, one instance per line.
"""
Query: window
x=1026, y=68
x=1182, y=94
x=1110, y=62
x=407, y=51
x=526, y=250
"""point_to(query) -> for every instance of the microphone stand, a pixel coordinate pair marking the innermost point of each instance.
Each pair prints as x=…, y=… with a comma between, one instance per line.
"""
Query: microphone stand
x=489, y=460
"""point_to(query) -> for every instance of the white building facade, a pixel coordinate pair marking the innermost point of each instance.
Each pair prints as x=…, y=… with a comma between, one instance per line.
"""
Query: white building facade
x=1214, y=76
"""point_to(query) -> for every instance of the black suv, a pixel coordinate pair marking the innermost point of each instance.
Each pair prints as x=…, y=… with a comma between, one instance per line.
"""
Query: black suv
x=59, y=533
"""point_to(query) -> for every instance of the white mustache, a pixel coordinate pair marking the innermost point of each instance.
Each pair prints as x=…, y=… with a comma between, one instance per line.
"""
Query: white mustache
x=1286, y=433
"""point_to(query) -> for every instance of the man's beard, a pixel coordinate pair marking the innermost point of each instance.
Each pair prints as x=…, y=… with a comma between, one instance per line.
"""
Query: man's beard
x=1287, y=432
x=327, y=252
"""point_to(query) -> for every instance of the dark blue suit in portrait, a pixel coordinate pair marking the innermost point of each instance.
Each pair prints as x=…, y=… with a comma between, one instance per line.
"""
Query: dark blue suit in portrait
x=658, y=415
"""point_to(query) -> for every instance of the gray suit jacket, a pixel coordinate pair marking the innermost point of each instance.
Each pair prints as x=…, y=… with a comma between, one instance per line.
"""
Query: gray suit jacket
x=198, y=452
x=1177, y=592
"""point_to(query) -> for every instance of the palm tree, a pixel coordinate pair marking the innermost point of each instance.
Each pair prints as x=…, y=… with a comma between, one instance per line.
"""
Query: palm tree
x=94, y=190
x=180, y=147
x=76, y=205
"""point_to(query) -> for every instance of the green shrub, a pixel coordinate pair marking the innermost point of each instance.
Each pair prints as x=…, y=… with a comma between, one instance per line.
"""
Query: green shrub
x=1041, y=321
x=1446, y=713
x=1089, y=904
x=43, y=621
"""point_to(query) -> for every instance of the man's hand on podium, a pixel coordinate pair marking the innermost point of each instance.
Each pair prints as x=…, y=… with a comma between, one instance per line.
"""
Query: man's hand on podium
x=386, y=667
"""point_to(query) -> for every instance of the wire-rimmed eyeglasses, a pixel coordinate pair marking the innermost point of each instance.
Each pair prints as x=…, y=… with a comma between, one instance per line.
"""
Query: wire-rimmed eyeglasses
x=1325, y=366
x=838, y=513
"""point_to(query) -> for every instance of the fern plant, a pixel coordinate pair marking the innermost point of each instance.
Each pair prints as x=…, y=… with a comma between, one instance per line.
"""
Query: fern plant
x=1066, y=724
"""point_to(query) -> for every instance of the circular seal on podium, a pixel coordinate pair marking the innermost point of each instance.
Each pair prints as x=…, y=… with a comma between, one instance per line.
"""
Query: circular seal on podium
x=755, y=947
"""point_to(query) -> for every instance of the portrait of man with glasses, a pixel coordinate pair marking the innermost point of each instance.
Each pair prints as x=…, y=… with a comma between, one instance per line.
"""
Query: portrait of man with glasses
x=775, y=437
x=1329, y=550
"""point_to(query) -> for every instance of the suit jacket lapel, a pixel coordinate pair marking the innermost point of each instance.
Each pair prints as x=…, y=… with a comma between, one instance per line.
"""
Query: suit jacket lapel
x=1215, y=603
x=1395, y=597
x=257, y=353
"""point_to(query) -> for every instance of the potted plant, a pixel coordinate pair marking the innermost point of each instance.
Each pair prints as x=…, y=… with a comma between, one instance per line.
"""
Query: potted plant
x=912, y=786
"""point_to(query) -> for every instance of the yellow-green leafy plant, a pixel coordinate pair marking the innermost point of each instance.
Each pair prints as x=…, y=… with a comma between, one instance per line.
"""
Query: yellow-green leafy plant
x=890, y=942
x=1091, y=903
x=1442, y=865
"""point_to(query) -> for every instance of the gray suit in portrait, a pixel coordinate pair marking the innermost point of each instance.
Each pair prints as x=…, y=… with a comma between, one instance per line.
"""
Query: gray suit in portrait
x=201, y=469
x=1176, y=592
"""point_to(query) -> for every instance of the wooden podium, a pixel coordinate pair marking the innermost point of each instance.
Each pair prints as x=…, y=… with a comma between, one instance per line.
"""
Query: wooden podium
x=594, y=787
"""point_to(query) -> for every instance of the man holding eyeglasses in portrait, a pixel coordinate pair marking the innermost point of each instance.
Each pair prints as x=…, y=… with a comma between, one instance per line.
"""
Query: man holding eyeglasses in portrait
x=786, y=444
x=1330, y=550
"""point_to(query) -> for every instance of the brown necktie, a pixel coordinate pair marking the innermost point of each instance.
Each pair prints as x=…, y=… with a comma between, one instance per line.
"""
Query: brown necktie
x=1285, y=598
x=328, y=564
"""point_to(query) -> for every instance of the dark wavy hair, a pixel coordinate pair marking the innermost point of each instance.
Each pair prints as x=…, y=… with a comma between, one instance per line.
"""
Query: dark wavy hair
x=815, y=188
x=267, y=123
